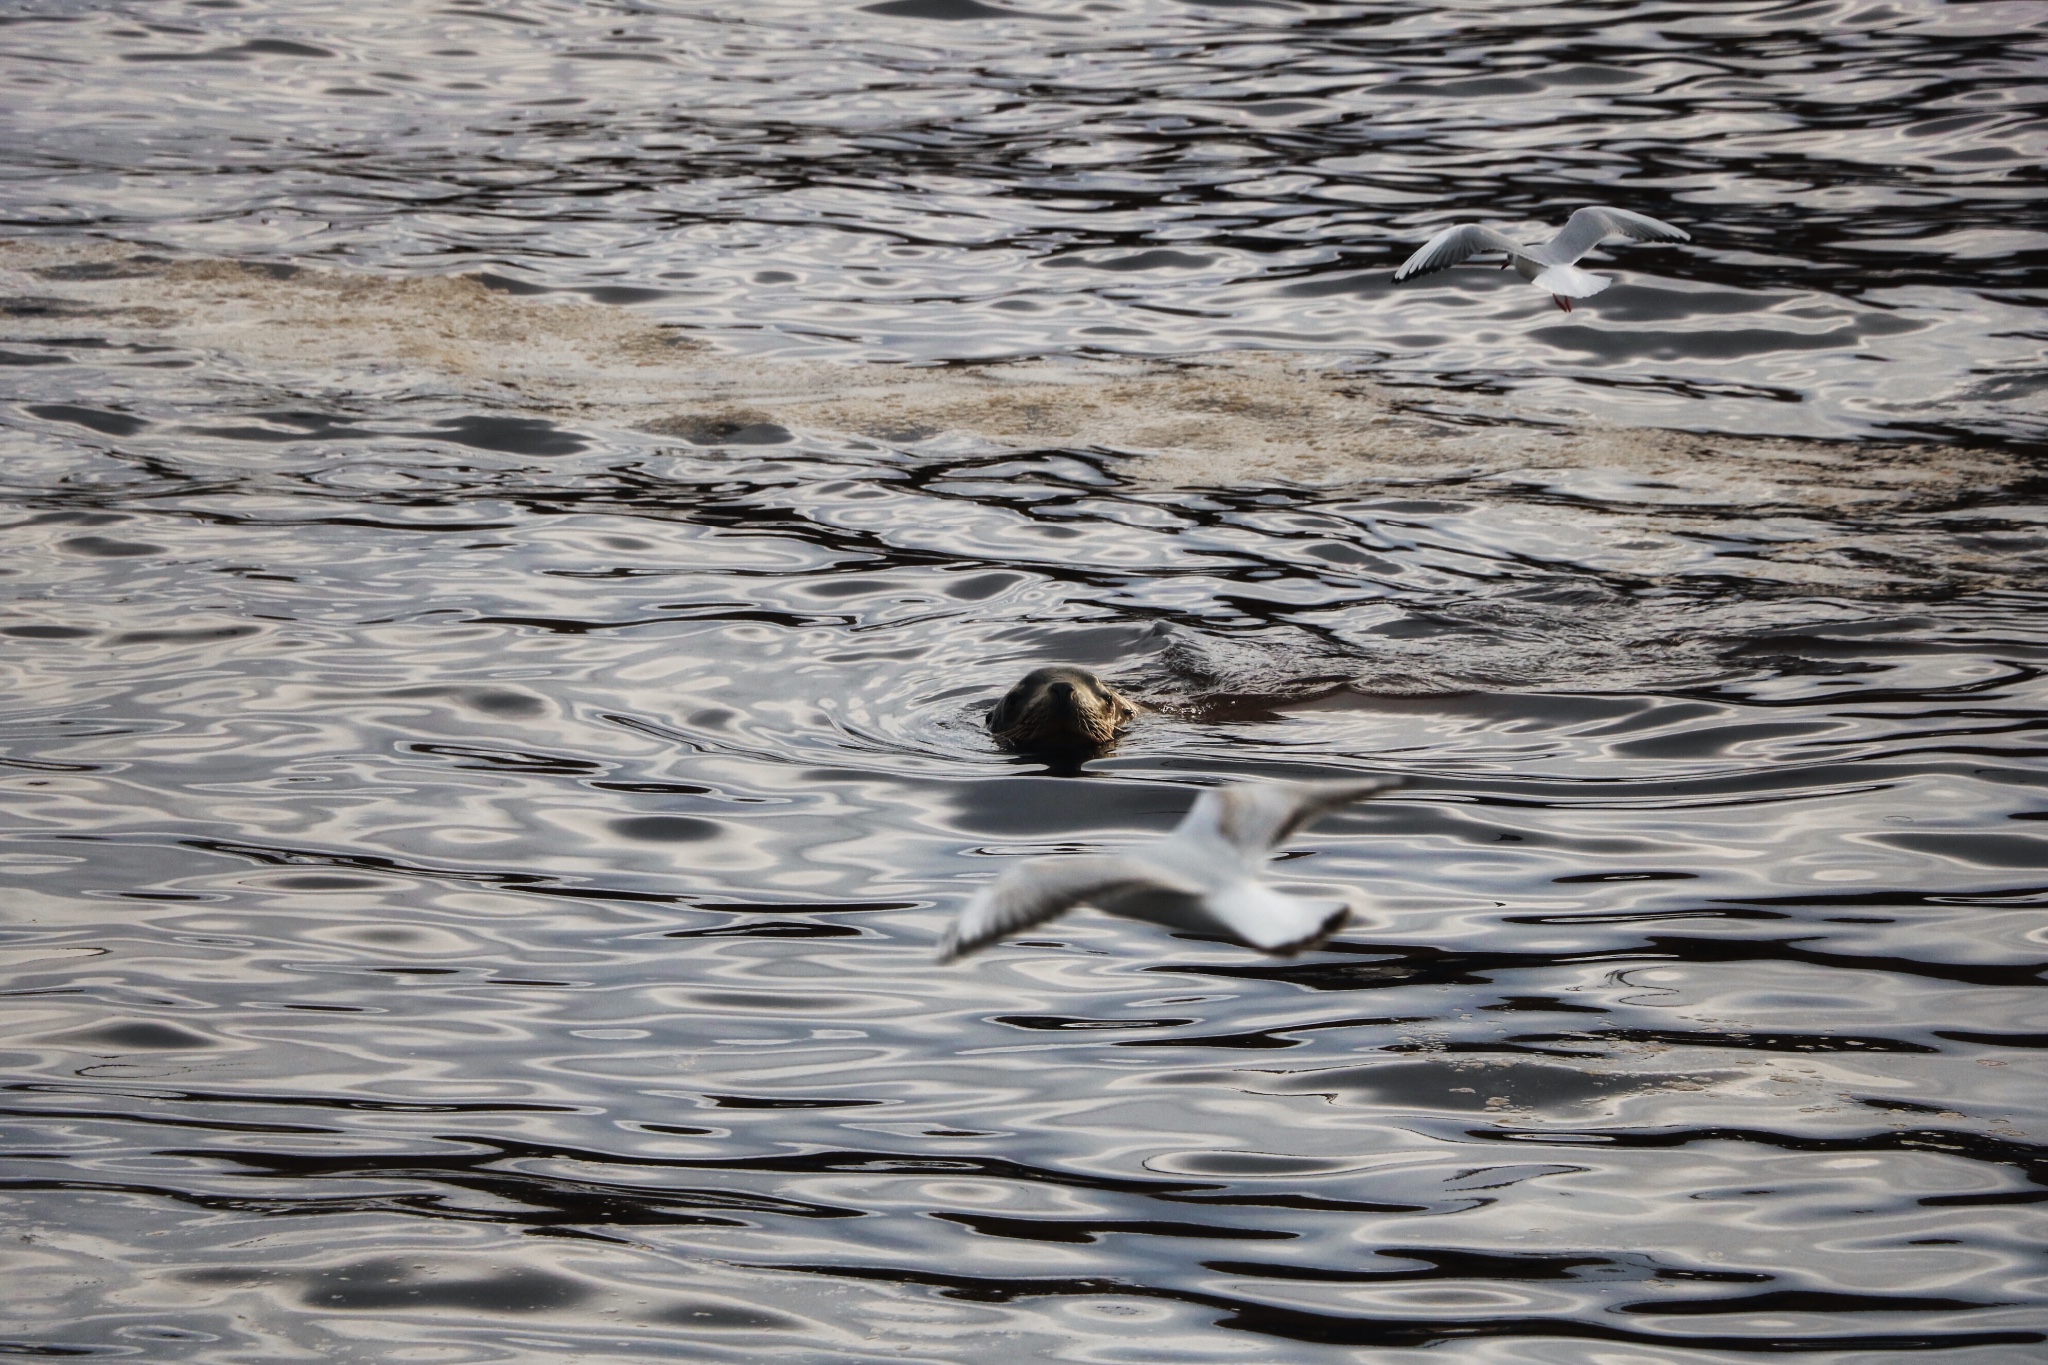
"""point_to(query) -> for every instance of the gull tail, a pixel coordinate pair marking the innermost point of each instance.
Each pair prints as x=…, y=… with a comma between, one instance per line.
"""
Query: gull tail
x=1272, y=921
x=1570, y=282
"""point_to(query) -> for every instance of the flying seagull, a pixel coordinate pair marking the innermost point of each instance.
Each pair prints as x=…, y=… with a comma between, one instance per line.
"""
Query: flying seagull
x=1548, y=266
x=1204, y=876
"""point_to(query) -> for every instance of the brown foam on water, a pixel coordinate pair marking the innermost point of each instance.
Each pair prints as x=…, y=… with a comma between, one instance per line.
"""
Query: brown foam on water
x=1216, y=421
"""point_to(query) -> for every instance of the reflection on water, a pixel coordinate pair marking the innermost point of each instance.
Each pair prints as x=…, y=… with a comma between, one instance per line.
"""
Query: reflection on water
x=493, y=721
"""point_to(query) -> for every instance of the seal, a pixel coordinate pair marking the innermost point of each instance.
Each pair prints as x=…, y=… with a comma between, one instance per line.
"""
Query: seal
x=1060, y=708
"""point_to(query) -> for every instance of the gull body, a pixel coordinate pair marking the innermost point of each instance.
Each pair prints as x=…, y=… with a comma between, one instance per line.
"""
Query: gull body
x=1551, y=265
x=1206, y=876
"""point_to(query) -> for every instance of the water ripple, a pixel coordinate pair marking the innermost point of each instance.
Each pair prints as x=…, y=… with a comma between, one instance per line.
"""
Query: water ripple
x=496, y=644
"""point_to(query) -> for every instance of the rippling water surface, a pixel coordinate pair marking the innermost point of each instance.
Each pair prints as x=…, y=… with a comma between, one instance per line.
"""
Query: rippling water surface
x=515, y=511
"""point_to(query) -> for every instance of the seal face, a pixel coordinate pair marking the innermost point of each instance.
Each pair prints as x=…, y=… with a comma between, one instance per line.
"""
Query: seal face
x=1060, y=708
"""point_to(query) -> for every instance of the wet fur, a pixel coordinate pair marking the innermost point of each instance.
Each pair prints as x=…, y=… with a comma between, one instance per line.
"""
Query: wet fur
x=1060, y=708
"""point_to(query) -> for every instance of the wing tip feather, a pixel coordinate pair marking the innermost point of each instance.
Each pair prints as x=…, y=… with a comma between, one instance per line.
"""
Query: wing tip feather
x=1350, y=790
x=1331, y=924
x=954, y=945
x=1433, y=255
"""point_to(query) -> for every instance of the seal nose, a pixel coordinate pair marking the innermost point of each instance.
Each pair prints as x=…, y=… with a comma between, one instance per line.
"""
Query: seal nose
x=1061, y=689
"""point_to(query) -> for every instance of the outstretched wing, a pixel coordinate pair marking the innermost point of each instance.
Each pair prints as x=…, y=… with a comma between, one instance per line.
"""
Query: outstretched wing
x=1254, y=818
x=1455, y=244
x=1591, y=226
x=1036, y=891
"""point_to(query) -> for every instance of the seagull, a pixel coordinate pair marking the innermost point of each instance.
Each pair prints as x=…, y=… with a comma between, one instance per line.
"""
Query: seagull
x=1204, y=876
x=1548, y=266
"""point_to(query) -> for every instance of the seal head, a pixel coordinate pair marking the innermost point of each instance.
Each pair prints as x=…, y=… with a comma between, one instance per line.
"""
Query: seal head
x=1060, y=708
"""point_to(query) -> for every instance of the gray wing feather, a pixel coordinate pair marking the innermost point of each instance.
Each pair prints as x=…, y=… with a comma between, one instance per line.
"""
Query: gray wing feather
x=1255, y=819
x=1042, y=888
x=1455, y=244
x=1594, y=224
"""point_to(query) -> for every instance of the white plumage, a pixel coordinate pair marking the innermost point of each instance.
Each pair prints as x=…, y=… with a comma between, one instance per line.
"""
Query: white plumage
x=1206, y=876
x=1549, y=266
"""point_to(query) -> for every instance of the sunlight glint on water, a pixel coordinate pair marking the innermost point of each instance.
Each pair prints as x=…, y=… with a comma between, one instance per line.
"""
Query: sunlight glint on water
x=495, y=646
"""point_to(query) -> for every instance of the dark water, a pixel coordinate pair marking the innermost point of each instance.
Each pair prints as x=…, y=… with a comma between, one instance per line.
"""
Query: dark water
x=472, y=865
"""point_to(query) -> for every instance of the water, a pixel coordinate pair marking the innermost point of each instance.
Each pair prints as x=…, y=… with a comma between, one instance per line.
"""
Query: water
x=515, y=512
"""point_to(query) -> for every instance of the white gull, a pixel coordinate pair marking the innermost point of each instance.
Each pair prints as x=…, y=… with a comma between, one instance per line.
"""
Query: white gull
x=1204, y=876
x=1548, y=266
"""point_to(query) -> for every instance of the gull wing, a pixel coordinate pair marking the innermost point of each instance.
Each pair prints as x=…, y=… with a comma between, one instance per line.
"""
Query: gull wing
x=1591, y=226
x=1036, y=891
x=1253, y=819
x=1455, y=244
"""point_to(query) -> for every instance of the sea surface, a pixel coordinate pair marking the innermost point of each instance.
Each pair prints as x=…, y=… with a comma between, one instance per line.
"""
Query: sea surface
x=514, y=512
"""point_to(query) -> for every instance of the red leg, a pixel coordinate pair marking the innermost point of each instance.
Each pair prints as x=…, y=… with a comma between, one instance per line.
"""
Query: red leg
x=1562, y=302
